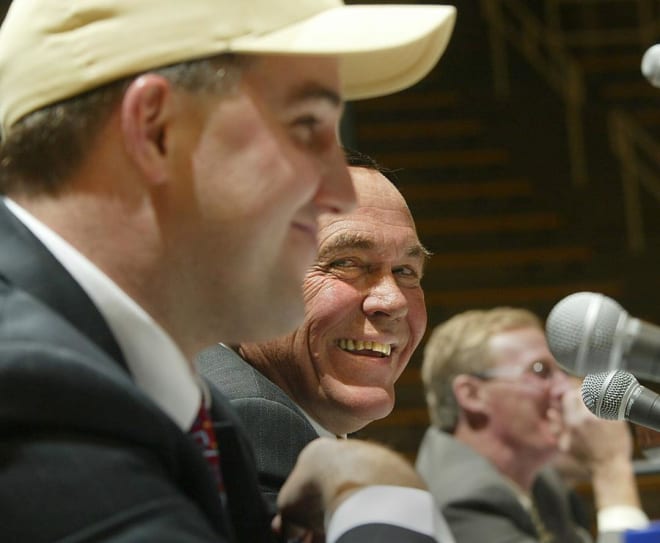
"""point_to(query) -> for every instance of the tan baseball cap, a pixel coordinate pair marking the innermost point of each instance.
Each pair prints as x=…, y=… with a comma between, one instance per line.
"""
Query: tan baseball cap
x=51, y=50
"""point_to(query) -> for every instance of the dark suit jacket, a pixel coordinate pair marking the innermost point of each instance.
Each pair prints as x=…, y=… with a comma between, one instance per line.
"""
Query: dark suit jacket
x=85, y=455
x=479, y=504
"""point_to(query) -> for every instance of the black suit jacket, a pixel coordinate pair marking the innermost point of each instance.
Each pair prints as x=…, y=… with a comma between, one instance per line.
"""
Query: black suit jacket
x=85, y=455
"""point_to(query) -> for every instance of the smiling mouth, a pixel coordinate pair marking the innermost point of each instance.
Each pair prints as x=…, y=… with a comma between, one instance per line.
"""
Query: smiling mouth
x=371, y=348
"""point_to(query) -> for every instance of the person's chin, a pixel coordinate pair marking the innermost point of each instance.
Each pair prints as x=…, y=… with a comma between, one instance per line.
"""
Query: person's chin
x=374, y=404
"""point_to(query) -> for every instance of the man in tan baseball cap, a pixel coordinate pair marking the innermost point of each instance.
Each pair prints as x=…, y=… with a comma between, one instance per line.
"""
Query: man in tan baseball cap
x=163, y=165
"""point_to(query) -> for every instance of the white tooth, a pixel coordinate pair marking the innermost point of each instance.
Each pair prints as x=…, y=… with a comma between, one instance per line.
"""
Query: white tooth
x=384, y=348
x=359, y=345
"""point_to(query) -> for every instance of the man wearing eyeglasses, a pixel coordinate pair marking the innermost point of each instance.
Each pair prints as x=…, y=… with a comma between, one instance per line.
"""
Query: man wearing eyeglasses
x=502, y=411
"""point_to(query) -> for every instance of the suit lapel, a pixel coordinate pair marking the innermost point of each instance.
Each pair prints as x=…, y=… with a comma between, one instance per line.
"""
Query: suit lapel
x=25, y=262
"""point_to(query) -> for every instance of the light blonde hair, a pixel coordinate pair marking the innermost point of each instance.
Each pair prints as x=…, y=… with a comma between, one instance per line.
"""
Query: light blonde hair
x=461, y=345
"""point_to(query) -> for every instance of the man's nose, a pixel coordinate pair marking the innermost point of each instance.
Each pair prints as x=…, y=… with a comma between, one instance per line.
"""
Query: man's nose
x=385, y=297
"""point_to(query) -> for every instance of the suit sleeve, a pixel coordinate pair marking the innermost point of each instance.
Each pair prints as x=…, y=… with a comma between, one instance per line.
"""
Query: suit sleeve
x=388, y=513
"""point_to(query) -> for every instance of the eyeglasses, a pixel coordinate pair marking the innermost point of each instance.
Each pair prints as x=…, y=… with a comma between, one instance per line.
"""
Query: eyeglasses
x=540, y=369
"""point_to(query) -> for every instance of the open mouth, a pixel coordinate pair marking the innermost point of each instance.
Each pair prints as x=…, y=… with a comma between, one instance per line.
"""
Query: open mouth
x=370, y=348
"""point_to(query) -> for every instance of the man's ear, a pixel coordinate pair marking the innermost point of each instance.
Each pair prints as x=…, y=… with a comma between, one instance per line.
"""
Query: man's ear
x=471, y=401
x=468, y=393
x=145, y=115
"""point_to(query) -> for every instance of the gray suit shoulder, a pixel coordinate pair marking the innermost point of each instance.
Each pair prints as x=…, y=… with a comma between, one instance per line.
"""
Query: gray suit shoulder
x=277, y=428
x=237, y=379
x=478, y=502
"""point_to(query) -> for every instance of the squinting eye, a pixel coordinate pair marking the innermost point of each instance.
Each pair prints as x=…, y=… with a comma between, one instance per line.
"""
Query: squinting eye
x=346, y=268
x=304, y=129
x=408, y=276
x=314, y=132
x=344, y=263
x=405, y=271
x=541, y=369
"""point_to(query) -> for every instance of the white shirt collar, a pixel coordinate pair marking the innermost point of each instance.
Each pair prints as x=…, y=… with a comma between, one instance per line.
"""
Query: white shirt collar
x=320, y=430
x=156, y=363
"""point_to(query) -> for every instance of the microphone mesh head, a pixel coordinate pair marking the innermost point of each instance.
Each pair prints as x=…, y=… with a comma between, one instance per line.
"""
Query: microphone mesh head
x=568, y=324
x=608, y=388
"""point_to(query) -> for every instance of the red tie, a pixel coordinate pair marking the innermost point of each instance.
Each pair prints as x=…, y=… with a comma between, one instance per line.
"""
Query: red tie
x=202, y=432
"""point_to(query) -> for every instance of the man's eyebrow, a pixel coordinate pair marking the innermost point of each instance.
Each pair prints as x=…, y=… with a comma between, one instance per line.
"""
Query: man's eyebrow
x=346, y=240
x=349, y=240
x=314, y=91
x=419, y=250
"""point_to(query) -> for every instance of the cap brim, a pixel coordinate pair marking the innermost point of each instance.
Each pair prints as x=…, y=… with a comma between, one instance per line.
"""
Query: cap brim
x=382, y=48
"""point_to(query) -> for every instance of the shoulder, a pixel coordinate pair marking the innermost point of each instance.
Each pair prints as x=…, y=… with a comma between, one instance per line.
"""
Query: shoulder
x=82, y=415
x=459, y=477
x=272, y=420
x=465, y=464
x=277, y=429
x=239, y=381
x=477, y=502
x=43, y=341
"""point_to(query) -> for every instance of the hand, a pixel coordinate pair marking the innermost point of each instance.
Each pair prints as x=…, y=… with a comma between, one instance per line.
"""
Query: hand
x=592, y=441
x=327, y=472
x=600, y=450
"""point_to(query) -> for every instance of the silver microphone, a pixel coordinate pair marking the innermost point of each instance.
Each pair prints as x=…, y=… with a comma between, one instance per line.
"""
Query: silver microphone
x=651, y=65
x=616, y=395
x=588, y=332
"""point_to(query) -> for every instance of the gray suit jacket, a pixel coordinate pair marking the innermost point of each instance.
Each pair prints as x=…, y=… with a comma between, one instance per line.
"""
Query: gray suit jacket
x=479, y=504
x=277, y=427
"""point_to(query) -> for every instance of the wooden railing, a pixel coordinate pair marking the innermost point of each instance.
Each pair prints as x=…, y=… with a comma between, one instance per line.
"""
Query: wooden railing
x=548, y=44
x=512, y=22
x=638, y=153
